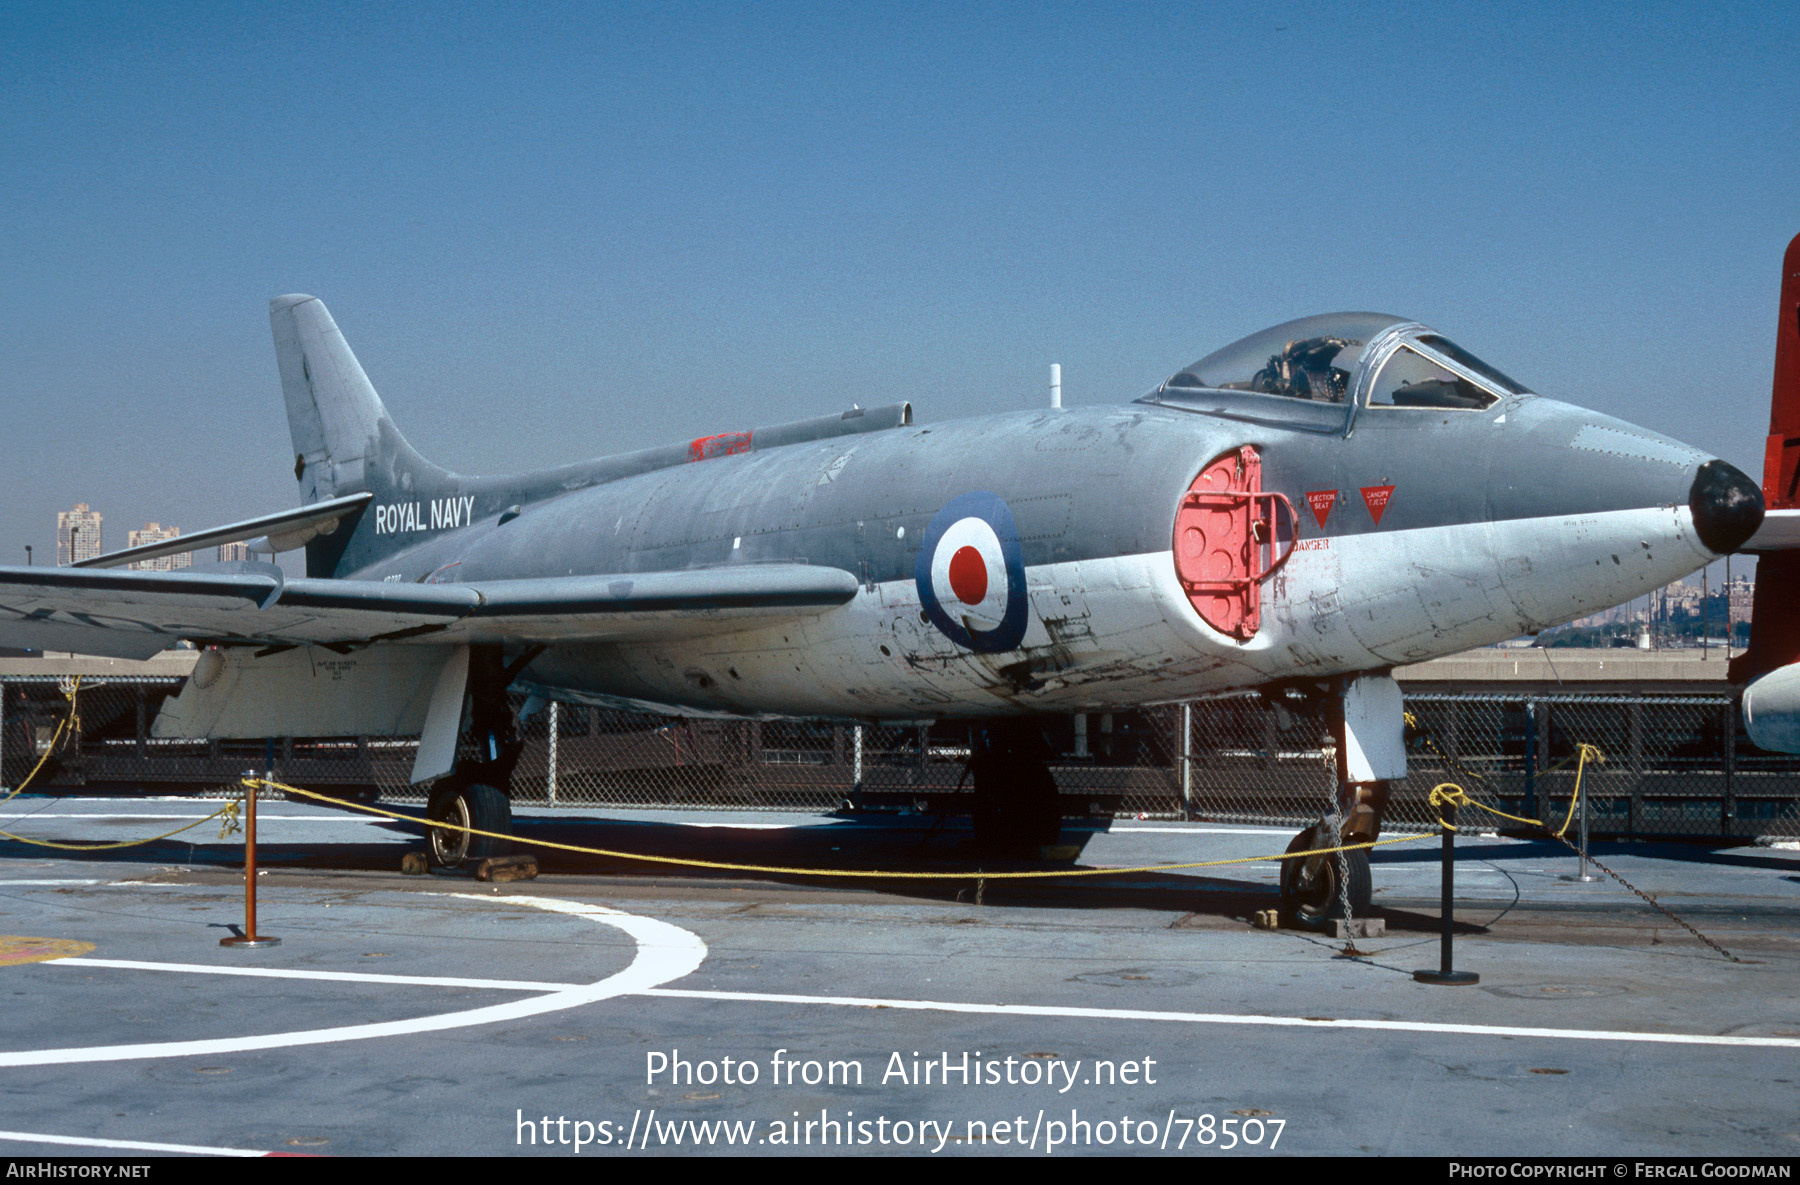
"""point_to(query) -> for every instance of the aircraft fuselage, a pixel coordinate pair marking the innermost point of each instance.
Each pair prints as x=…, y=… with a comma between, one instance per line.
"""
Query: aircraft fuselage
x=1423, y=532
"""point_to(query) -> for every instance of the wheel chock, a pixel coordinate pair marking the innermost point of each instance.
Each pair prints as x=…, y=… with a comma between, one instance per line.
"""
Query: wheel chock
x=501, y=869
x=1359, y=928
x=1266, y=919
x=415, y=864
x=1059, y=852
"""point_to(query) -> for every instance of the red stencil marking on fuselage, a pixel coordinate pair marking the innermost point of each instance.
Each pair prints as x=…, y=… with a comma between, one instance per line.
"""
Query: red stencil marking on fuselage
x=1321, y=502
x=1376, y=499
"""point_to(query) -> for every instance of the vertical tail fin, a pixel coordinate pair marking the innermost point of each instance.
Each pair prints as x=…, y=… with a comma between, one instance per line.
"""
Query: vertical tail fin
x=344, y=440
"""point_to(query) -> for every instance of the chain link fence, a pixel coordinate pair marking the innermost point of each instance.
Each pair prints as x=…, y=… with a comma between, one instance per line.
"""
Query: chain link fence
x=1675, y=765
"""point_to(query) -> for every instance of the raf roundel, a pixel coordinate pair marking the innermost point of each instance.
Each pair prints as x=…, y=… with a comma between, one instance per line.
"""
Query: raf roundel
x=971, y=574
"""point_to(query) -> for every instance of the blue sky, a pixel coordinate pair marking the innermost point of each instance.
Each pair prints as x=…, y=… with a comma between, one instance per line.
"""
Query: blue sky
x=553, y=231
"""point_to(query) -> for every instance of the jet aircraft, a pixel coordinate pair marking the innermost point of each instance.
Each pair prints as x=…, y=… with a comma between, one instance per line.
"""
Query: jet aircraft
x=1298, y=512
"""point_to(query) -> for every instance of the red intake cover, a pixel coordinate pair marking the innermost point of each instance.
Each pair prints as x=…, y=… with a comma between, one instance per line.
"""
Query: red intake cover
x=1228, y=537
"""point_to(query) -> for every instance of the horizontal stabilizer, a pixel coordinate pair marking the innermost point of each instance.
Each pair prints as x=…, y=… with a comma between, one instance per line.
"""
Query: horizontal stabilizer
x=284, y=531
x=130, y=613
x=1780, y=531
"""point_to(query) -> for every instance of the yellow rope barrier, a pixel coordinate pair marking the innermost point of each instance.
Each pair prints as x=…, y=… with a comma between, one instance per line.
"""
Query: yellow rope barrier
x=826, y=872
x=1583, y=754
x=1452, y=795
x=1443, y=794
x=229, y=811
x=70, y=724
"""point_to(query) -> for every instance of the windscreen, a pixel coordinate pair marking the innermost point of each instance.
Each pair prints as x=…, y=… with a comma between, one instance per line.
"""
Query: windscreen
x=1416, y=375
x=1468, y=361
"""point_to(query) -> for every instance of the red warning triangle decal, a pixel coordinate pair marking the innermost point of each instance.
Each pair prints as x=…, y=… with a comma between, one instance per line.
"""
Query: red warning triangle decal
x=1376, y=499
x=1321, y=502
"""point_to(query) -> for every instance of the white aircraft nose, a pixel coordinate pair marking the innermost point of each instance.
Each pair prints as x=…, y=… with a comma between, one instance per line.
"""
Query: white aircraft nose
x=1580, y=563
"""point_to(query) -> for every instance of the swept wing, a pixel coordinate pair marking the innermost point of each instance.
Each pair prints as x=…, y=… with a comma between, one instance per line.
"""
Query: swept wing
x=134, y=614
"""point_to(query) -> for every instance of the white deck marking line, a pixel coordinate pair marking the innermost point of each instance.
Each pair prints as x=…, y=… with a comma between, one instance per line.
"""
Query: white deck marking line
x=131, y=1145
x=1226, y=1018
x=504, y=985
x=664, y=952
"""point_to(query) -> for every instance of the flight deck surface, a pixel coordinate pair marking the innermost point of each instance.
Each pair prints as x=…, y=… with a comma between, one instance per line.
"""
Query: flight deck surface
x=1138, y=1014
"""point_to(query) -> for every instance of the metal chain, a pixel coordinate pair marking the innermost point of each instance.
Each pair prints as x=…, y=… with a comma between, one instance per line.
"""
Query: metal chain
x=1343, y=865
x=1473, y=776
x=1647, y=899
x=1337, y=838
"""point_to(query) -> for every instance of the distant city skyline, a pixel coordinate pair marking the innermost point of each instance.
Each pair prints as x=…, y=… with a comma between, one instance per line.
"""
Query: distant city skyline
x=157, y=533
x=82, y=530
x=79, y=534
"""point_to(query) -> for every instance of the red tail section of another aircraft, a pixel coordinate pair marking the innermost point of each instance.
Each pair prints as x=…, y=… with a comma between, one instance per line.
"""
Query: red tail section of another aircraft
x=1775, y=637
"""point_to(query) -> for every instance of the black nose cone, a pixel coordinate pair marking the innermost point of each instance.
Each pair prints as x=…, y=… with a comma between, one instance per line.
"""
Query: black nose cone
x=1727, y=506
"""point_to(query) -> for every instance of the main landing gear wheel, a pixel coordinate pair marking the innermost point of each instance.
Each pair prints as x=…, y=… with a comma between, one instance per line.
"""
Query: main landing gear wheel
x=1020, y=816
x=1017, y=810
x=1310, y=891
x=479, y=806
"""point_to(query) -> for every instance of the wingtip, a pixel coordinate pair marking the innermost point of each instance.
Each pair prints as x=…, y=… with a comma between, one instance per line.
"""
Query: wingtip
x=289, y=301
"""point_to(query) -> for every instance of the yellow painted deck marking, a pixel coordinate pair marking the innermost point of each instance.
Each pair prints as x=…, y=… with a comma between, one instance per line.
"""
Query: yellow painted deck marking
x=16, y=948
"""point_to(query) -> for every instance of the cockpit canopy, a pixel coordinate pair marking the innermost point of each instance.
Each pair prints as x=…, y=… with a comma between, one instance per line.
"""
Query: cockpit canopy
x=1352, y=360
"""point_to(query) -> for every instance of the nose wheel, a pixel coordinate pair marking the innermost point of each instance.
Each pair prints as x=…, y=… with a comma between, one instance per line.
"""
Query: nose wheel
x=1368, y=726
x=1312, y=886
x=478, y=806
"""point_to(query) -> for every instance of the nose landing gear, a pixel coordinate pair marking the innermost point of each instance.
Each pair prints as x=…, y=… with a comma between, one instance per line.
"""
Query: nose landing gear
x=1312, y=887
x=1368, y=724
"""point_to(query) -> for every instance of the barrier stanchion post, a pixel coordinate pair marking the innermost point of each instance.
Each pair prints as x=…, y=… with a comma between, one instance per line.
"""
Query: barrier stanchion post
x=856, y=772
x=555, y=727
x=1582, y=876
x=1446, y=975
x=1186, y=752
x=250, y=937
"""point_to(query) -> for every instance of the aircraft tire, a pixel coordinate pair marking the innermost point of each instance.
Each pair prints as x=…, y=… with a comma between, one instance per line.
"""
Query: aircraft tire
x=476, y=805
x=1320, y=902
x=1020, y=815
